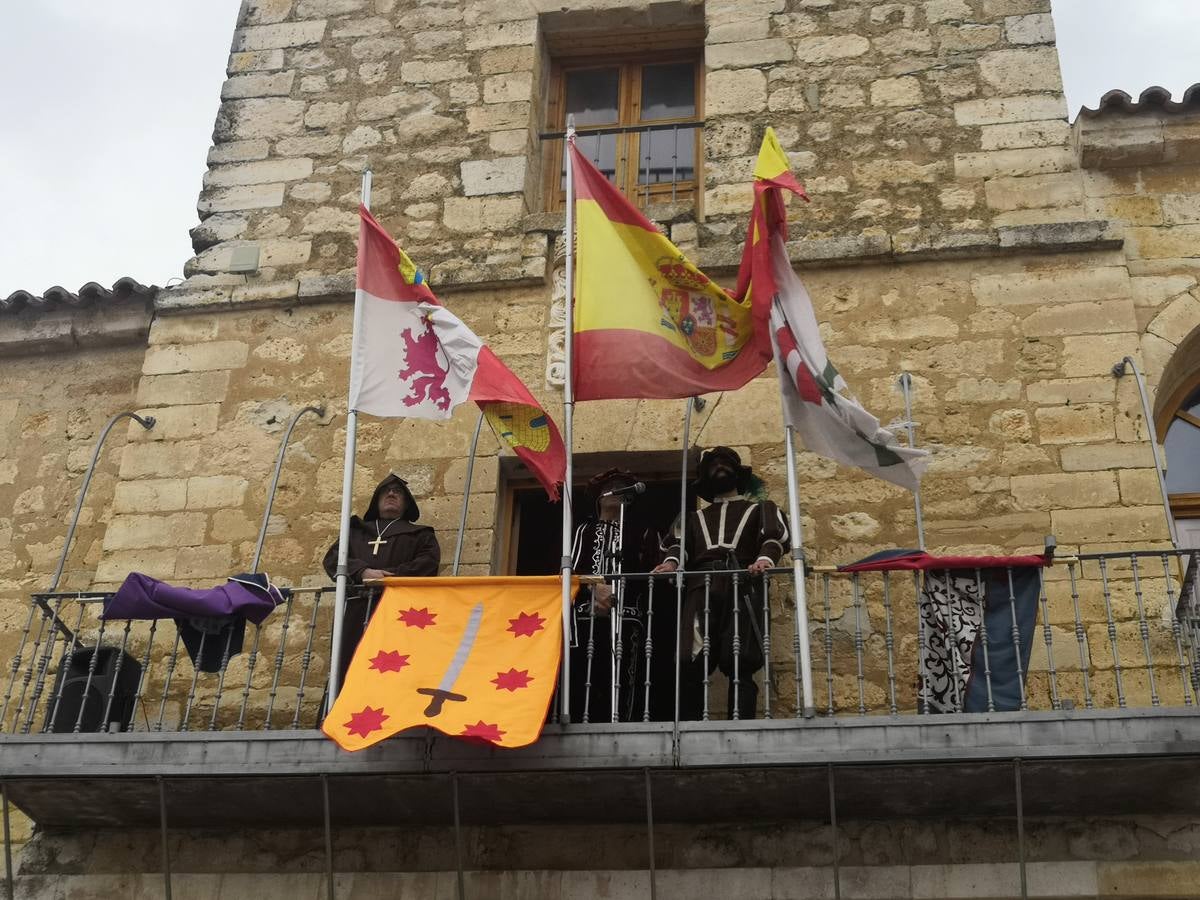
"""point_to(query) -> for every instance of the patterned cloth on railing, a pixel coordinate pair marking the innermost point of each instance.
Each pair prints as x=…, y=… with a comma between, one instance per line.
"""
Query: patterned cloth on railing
x=211, y=621
x=963, y=598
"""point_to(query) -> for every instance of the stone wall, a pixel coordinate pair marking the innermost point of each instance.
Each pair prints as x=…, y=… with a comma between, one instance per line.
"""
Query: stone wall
x=1150, y=857
x=917, y=123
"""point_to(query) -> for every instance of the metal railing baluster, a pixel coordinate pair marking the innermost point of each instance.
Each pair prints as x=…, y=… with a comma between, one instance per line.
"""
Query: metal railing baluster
x=1016, y=638
x=212, y=722
x=950, y=642
x=858, y=645
x=287, y=618
x=648, y=653
x=674, y=163
x=1081, y=639
x=590, y=654
x=1176, y=634
x=983, y=640
x=923, y=638
x=34, y=657
x=15, y=665
x=306, y=660
x=828, y=653
x=191, y=698
x=250, y=665
x=91, y=673
x=68, y=654
x=1112, y=632
x=889, y=642
x=171, y=663
x=112, y=688
x=706, y=645
x=1048, y=637
x=735, y=712
x=1144, y=630
x=766, y=635
x=141, y=685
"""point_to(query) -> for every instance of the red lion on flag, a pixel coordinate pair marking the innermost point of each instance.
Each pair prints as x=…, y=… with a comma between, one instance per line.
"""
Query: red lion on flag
x=421, y=359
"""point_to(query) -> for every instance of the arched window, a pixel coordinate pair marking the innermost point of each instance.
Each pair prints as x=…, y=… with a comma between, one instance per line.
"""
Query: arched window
x=1179, y=431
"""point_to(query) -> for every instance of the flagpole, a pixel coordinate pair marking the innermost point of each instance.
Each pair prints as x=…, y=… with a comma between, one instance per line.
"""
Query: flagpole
x=798, y=577
x=568, y=427
x=339, y=604
x=696, y=403
x=911, y=428
x=462, y=523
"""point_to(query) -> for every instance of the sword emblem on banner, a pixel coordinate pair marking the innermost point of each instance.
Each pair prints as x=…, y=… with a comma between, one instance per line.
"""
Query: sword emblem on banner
x=443, y=692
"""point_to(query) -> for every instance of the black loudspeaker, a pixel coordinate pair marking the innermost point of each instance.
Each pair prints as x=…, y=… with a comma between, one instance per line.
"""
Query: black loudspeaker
x=116, y=673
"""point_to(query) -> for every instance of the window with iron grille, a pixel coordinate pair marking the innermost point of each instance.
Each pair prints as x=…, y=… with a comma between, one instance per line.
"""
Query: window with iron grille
x=638, y=119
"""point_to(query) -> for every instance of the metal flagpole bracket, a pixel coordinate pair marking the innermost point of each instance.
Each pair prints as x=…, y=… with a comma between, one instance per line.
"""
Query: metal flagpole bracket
x=146, y=422
x=339, y=603
x=906, y=387
x=319, y=412
x=1118, y=371
x=462, y=523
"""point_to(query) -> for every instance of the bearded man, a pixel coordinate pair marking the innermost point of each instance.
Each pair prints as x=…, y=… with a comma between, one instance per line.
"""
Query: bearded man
x=386, y=541
x=733, y=533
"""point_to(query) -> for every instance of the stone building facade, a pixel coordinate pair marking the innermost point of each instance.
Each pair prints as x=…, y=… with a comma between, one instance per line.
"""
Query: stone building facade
x=960, y=229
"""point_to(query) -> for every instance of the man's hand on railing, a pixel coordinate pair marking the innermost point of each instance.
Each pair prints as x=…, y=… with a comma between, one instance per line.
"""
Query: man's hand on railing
x=602, y=598
x=669, y=566
x=371, y=574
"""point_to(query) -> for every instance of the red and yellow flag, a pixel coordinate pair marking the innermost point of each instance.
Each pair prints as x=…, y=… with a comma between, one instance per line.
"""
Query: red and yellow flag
x=472, y=657
x=648, y=323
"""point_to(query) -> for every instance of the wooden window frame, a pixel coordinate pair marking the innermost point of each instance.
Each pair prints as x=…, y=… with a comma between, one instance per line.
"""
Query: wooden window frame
x=1183, y=506
x=628, y=145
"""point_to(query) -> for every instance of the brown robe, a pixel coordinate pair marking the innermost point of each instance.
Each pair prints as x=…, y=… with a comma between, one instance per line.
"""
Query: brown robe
x=408, y=549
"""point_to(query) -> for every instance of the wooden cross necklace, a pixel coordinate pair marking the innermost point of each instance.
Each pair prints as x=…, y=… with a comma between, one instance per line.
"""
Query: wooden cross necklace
x=379, y=539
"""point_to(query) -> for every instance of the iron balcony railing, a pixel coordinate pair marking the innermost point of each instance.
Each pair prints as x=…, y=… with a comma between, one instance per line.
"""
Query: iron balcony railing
x=651, y=162
x=1109, y=631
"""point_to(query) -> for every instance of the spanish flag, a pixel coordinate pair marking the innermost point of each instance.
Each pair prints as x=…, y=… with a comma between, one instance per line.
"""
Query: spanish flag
x=648, y=323
x=475, y=658
x=415, y=358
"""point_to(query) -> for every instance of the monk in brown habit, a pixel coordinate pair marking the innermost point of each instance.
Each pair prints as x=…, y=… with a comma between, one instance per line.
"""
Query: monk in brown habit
x=739, y=533
x=385, y=541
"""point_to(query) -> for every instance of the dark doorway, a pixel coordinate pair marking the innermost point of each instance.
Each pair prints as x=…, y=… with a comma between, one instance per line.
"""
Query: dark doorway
x=534, y=537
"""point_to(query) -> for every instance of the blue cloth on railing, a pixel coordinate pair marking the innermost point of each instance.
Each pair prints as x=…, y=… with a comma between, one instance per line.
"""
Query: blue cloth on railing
x=211, y=621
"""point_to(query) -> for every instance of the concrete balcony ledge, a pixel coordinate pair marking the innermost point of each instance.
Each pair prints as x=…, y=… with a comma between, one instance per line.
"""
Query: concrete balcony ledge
x=1081, y=762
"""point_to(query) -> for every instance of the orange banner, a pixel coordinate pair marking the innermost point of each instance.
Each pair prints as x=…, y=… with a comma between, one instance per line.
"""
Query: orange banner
x=475, y=658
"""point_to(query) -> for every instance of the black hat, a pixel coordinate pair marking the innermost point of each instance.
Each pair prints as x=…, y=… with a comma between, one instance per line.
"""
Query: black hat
x=746, y=482
x=609, y=480
x=411, y=511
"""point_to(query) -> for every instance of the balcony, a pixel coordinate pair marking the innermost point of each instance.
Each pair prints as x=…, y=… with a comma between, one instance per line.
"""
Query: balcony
x=1103, y=722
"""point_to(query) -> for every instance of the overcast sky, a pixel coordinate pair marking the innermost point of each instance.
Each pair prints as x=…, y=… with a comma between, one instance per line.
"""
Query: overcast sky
x=107, y=111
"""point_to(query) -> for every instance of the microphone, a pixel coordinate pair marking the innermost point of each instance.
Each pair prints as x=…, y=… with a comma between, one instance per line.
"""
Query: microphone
x=635, y=488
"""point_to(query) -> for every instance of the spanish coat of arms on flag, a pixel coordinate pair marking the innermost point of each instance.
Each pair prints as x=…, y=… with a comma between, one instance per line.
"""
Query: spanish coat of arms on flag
x=475, y=658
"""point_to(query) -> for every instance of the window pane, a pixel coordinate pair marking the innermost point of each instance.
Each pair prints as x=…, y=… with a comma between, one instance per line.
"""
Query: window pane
x=666, y=156
x=1183, y=458
x=592, y=96
x=601, y=149
x=668, y=92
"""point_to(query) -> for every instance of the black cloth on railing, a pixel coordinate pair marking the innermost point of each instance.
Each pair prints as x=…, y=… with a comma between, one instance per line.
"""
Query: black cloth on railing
x=961, y=599
x=211, y=621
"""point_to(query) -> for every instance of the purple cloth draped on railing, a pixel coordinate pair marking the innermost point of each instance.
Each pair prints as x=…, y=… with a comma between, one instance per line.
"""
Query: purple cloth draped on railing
x=250, y=597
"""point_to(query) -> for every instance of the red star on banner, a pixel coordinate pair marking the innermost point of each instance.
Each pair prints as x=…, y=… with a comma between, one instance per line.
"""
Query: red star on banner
x=526, y=625
x=512, y=680
x=389, y=661
x=418, y=618
x=483, y=731
x=363, y=723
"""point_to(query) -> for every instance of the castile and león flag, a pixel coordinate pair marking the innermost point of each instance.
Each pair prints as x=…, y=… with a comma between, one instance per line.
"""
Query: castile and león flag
x=416, y=359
